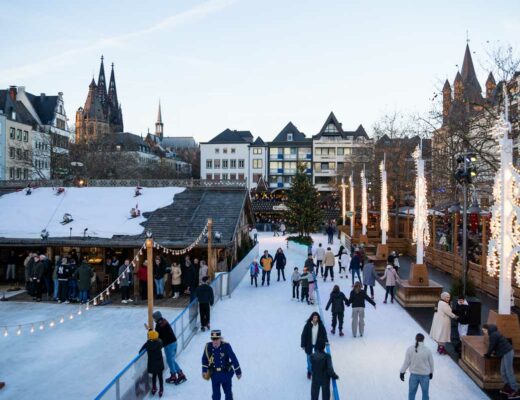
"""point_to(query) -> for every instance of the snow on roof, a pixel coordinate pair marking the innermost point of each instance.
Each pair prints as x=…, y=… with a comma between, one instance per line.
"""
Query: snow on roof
x=105, y=211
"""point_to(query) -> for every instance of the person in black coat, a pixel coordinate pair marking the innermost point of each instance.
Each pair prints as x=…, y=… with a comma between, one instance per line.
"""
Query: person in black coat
x=322, y=372
x=337, y=300
x=309, y=263
x=155, y=360
x=357, y=301
x=204, y=294
x=313, y=331
x=280, y=261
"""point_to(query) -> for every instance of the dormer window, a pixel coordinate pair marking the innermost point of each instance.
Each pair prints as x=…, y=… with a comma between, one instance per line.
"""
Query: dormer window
x=289, y=137
x=331, y=128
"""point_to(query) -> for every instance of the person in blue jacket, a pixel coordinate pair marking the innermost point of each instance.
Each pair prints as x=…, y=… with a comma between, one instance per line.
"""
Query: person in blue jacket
x=220, y=363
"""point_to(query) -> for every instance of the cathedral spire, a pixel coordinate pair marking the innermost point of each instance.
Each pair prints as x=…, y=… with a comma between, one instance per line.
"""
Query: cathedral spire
x=112, y=90
x=472, y=87
x=159, y=124
x=102, y=87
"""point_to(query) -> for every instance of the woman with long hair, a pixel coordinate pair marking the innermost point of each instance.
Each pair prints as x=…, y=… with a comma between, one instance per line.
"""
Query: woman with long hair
x=419, y=361
x=313, y=331
x=357, y=301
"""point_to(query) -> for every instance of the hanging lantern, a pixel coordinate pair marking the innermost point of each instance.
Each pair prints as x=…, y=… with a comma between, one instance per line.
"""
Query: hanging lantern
x=51, y=324
x=19, y=331
x=62, y=320
x=42, y=326
x=32, y=328
x=71, y=316
x=95, y=301
x=6, y=333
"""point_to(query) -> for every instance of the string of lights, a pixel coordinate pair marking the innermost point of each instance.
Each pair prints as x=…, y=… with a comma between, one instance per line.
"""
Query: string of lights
x=364, y=203
x=421, y=230
x=384, y=203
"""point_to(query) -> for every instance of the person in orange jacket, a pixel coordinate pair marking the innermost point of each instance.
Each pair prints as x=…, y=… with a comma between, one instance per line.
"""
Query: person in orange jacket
x=266, y=263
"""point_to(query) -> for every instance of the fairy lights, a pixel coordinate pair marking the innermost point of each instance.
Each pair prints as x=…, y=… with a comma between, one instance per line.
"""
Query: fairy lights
x=421, y=230
x=352, y=208
x=384, y=202
x=364, y=203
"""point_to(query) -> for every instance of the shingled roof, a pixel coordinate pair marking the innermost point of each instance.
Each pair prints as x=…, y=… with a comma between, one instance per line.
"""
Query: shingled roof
x=228, y=136
x=290, y=128
x=45, y=106
x=332, y=120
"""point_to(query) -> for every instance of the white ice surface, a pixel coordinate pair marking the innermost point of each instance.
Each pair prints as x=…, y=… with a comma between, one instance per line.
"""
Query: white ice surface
x=105, y=211
x=73, y=361
x=369, y=366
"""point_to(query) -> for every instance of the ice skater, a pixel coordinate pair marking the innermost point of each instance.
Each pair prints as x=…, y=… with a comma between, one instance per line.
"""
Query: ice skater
x=254, y=270
x=266, y=262
x=304, y=280
x=419, y=361
x=390, y=278
x=355, y=266
x=319, y=253
x=322, y=372
x=369, y=278
x=344, y=263
x=295, y=278
x=357, y=300
x=155, y=360
x=313, y=331
x=280, y=261
x=329, y=265
x=337, y=300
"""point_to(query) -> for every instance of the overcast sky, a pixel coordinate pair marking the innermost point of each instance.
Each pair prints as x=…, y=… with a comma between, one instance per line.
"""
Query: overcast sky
x=250, y=64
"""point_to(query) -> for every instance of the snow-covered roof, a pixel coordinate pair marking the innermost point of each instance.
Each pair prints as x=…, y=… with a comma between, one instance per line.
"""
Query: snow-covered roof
x=105, y=211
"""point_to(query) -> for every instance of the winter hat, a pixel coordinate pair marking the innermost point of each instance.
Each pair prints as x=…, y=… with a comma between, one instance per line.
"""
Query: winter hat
x=153, y=335
x=157, y=315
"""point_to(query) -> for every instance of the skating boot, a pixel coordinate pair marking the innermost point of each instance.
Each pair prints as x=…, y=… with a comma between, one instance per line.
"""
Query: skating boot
x=154, y=390
x=333, y=331
x=341, y=333
x=181, y=378
x=161, y=392
x=171, y=379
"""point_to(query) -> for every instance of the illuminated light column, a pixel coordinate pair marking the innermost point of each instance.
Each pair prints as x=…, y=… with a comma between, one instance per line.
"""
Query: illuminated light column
x=504, y=244
x=352, y=208
x=421, y=230
x=384, y=202
x=364, y=206
x=343, y=199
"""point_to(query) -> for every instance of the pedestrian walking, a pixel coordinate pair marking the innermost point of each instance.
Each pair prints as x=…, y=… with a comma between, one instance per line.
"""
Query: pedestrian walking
x=441, y=324
x=304, y=280
x=176, y=280
x=337, y=300
x=319, y=253
x=124, y=281
x=279, y=262
x=357, y=300
x=295, y=278
x=142, y=275
x=254, y=270
x=10, y=272
x=419, y=361
x=329, y=261
x=500, y=347
x=84, y=276
x=390, y=278
x=266, y=263
x=169, y=342
x=355, y=267
x=313, y=331
x=219, y=363
x=322, y=372
x=155, y=361
x=205, y=296
x=369, y=278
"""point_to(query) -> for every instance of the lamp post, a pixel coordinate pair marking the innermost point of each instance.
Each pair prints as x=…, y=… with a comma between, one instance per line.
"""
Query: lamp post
x=149, y=276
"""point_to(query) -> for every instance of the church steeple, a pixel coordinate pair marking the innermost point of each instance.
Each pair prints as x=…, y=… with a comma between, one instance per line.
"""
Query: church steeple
x=446, y=101
x=114, y=108
x=472, y=89
x=102, y=87
x=112, y=90
x=490, y=85
x=159, y=124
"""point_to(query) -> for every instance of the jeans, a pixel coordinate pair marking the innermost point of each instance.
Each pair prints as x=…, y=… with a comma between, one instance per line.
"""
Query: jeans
x=295, y=290
x=73, y=289
x=390, y=289
x=125, y=290
x=255, y=279
x=159, y=286
x=309, y=366
x=328, y=269
x=305, y=294
x=171, y=352
x=371, y=290
x=264, y=274
x=11, y=272
x=463, y=330
x=56, y=286
x=358, y=319
x=413, y=384
x=358, y=272
x=281, y=271
x=83, y=296
x=506, y=370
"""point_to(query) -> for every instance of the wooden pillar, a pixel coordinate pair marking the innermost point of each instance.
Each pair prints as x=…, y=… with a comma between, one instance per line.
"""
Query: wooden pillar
x=434, y=231
x=211, y=266
x=149, y=258
x=455, y=237
x=134, y=273
x=483, y=256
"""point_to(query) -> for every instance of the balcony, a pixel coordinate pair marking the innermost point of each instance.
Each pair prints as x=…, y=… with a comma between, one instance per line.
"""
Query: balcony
x=326, y=172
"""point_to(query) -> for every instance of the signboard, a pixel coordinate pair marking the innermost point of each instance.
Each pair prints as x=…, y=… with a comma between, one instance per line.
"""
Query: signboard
x=280, y=207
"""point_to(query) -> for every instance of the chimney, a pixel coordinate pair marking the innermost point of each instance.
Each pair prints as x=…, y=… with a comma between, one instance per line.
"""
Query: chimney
x=42, y=97
x=12, y=92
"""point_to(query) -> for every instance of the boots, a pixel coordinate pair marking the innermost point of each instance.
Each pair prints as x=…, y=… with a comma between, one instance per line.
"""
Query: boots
x=154, y=389
x=161, y=392
x=171, y=379
x=181, y=378
x=507, y=390
x=333, y=331
x=341, y=332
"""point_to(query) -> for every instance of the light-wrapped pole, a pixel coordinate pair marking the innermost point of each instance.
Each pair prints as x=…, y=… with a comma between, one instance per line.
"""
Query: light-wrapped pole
x=364, y=205
x=384, y=202
x=352, y=208
x=421, y=230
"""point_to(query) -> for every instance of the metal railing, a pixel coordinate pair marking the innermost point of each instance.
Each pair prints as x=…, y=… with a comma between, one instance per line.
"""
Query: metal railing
x=236, y=275
x=189, y=182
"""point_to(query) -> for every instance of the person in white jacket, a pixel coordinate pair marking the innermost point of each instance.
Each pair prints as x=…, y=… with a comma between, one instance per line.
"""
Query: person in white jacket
x=419, y=361
x=319, y=253
x=441, y=324
x=390, y=278
x=345, y=263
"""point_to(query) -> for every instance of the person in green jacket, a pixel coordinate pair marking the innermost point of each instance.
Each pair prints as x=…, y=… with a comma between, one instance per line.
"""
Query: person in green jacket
x=84, y=276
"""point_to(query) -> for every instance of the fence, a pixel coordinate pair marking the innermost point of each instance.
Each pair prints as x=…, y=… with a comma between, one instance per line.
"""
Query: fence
x=236, y=275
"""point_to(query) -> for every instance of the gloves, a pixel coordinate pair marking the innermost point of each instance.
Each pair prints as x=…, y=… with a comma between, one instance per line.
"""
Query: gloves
x=431, y=376
x=206, y=376
x=239, y=376
x=401, y=376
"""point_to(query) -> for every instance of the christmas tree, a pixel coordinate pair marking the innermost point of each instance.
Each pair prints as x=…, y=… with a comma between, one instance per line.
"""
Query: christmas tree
x=303, y=210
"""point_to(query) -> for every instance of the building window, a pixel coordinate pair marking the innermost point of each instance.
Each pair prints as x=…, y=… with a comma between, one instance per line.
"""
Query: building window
x=25, y=173
x=225, y=177
x=19, y=154
x=25, y=136
x=208, y=177
x=224, y=150
x=325, y=151
x=217, y=151
x=257, y=163
x=216, y=177
x=275, y=151
x=12, y=152
x=11, y=173
x=12, y=133
x=26, y=155
x=232, y=150
x=233, y=177
x=331, y=128
x=216, y=163
x=233, y=163
x=341, y=151
x=257, y=150
x=240, y=177
x=209, y=164
x=18, y=173
x=225, y=164
x=289, y=137
x=240, y=163
x=19, y=135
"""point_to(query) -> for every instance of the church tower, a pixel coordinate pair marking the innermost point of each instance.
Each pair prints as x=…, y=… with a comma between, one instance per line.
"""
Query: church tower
x=490, y=86
x=446, y=102
x=159, y=124
x=115, y=115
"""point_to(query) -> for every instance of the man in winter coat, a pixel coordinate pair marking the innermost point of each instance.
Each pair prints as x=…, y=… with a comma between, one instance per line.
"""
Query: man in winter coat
x=266, y=262
x=355, y=267
x=219, y=363
x=322, y=372
x=328, y=261
x=169, y=340
x=337, y=300
x=84, y=276
x=319, y=253
x=124, y=281
x=63, y=275
x=313, y=331
x=204, y=294
x=419, y=361
x=502, y=348
x=37, y=275
x=280, y=261
x=330, y=233
x=369, y=278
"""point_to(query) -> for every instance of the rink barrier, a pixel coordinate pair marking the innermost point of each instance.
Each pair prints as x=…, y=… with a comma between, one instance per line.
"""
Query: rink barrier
x=132, y=382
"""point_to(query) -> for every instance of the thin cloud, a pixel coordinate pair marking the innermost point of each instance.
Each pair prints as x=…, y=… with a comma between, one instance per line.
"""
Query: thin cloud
x=68, y=56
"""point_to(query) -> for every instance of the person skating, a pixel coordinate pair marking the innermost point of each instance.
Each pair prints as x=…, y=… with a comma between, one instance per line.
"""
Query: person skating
x=219, y=363
x=337, y=300
x=304, y=280
x=155, y=360
x=313, y=331
x=344, y=263
x=369, y=278
x=125, y=281
x=204, y=294
x=390, y=278
x=419, y=361
x=320, y=255
x=329, y=261
x=176, y=280
x=357, y=300
x=309, y=263
x=441, y=324
x=266, y=262
x=355, y=266
x=311, y=278
x=322, y=372
x=169, y=342
x=330, y=233
x=295, y=278
x=280, y=261
x=500, y=347
x=254, y=270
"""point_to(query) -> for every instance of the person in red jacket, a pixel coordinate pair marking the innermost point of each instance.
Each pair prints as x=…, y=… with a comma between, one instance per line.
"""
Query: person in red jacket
x=142, y=275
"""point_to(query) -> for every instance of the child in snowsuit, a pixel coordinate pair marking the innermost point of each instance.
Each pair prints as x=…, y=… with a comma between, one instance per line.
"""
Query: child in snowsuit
x=155, y=360
x=345, y=262
x=295, y=284
x=254, y=270
x=304, y=279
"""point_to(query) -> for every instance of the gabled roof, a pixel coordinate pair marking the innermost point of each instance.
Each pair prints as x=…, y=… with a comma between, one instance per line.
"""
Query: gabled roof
x=187, y=142
x=229, y=136
x=45, y=106
x=332, y=127
x=258, y=143
x=289, y=128
x=7, y=105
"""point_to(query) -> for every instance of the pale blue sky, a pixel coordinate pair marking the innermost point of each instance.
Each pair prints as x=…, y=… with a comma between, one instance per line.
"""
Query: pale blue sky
x=245, y=64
